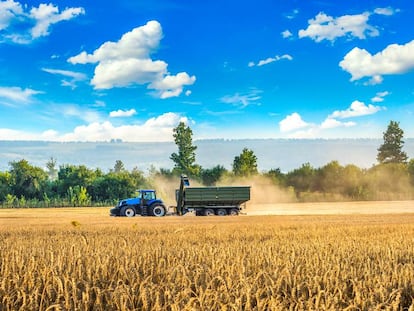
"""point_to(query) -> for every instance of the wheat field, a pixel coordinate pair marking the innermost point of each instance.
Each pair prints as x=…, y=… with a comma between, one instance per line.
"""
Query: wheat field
x=82, y=259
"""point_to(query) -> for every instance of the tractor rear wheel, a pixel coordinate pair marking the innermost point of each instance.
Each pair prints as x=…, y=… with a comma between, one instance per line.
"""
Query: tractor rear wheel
x=158, y=210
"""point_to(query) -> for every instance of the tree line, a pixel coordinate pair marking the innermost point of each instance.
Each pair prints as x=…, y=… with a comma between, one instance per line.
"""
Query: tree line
x=25, y=185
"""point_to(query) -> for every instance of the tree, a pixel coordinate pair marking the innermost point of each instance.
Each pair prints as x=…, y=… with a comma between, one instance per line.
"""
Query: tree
x=245, y=164
x=391, y=150
x=330, y=179
x=5, y=179
x=113, y=186
x=27, y=181
x=390, y=181
x=212, y=175
x=73, y=175
x=119, y=166
x=51, y=169
x=301, y=179
x=277, y=176
x=354, y=182
x=185, y=158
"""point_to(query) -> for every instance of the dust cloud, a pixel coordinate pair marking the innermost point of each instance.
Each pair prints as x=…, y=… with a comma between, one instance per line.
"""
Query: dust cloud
x=267, y=198
x=263, y=190
x=165, y=188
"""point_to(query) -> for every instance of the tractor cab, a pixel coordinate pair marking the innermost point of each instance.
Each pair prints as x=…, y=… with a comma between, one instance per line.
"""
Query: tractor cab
x=146, y=197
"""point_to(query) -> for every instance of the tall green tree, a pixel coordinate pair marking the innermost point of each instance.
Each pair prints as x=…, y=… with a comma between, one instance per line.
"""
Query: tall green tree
x=70, y=176
x=330, y=178
x=211, y=176
x=5, y=179
x=119, y=166
x=354, y=182
x=302, y=179
x=245, y=164
x=277, y=176
x=185, y=159
x=26, y=180
x=52, y=171
x=391, y=150
x=113, y=186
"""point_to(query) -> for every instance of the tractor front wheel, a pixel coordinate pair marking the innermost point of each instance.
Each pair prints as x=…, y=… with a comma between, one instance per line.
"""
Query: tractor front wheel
x=128, y=211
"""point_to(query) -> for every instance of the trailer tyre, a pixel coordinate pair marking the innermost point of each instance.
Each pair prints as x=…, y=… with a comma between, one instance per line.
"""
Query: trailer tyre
x=221, y=212
x=159, y=210
x=208, y=212
x=128, y=211
x=234, y=212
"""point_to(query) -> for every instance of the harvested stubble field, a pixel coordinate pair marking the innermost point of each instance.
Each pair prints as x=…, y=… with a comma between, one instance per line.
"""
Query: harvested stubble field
x=82, y=259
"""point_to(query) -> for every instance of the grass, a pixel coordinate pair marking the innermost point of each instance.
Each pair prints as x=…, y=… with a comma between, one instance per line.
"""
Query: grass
x=82, y=259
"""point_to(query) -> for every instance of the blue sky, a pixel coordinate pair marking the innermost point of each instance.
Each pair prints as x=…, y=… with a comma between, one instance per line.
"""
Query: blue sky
x=131, y=70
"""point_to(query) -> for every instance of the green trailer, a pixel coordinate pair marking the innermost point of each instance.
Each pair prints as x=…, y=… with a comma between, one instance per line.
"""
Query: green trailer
x=207, y=201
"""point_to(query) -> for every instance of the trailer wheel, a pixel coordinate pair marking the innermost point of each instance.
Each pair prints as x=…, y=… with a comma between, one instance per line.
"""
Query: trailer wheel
x=234, y=212
x=128, y=211
x=208, y=212
x=221, y=212
x=159, y=210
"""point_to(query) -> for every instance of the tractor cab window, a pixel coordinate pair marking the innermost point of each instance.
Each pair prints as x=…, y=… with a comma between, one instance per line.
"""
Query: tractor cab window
x=148, y=195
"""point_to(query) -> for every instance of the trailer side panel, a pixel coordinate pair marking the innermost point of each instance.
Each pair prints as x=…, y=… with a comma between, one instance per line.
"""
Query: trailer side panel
x=216, y=196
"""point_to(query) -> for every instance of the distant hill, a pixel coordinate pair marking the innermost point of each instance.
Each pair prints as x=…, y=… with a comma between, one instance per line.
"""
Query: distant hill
x=286, y=154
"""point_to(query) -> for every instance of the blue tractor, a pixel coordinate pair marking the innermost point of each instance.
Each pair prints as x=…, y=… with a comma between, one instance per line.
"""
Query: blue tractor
x=144, y=204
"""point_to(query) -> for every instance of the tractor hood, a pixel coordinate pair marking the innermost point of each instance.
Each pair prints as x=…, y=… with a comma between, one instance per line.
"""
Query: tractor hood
x=129, y=201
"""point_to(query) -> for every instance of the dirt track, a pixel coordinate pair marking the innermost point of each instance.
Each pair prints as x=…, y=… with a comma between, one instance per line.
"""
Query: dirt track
x=331, y=208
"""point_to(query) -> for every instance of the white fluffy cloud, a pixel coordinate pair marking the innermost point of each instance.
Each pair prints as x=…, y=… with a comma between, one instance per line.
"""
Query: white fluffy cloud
x=172, y=86
x=330, y=123
x=128, y=62
x=122, y=113
x=9, y=10
x=16, y=95
x=356, y=109
x=292, y=122
x=9, y=134
x=394, y=59
x=155, y=129
x=298, y=128
x=385, y=11
x=325, y=27
x=379, y=97
x=48, y=14
x=286, y=34
x=22, y=25
x=270, y=60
